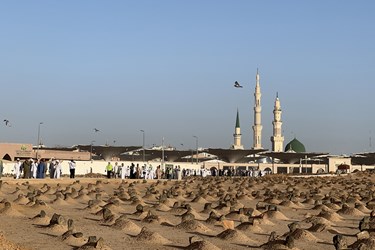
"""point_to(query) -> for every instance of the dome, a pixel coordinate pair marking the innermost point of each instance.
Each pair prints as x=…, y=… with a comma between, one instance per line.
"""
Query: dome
x=296, y=146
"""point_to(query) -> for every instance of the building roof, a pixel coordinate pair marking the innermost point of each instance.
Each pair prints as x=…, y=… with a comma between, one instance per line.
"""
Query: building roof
x=367, y=158
x=292, y=157
x=233, y=155
x=295, y=146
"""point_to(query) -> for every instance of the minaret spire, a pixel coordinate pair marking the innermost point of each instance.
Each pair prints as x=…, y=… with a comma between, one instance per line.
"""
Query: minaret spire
x=237, y=134
x=257, y=127
x=237, y=120
x=277, y=139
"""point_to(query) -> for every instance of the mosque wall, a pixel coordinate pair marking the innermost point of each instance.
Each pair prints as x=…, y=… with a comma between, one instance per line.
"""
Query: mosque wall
x=334, y=162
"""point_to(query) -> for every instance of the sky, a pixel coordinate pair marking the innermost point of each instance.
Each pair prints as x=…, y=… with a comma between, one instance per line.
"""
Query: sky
x=168, y=68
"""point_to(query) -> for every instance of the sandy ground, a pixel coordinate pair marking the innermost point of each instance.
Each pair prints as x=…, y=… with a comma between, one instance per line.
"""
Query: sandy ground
x=211, y=213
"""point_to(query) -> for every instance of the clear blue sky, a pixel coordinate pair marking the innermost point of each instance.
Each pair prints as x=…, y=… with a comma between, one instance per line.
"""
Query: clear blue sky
x=168, y=67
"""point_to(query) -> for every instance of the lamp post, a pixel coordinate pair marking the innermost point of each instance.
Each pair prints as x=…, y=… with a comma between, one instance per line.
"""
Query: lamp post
x=162, y=154
x=92, y=142
x=192, y=153
x=196, y=144
x=37, y=149
x=143, y=144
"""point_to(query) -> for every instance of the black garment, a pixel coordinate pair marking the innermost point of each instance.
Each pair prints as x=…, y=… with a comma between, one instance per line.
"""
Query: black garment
x=72, y=173
x=51, y=170
x=109, y=174
x=132, y=176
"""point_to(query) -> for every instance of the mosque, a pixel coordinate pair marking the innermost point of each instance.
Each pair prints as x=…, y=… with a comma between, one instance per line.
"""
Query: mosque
x=293, y=158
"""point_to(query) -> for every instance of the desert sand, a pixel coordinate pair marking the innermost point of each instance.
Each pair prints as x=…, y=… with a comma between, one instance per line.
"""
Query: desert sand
x=271, y=212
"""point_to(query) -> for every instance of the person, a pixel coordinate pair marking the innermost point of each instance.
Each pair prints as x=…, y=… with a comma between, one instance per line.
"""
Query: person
x=34, y=168
x=122, y=171
x=178, y=173
x=52, y=167
x=115, y=169
x=109, y=169
x=204, y=173
x=26, y=166
x=170, y=173
x=1, y=168
x=151, y=174
x=57, y=172
x=158, y=172
x=41, y=169
x=138, y=172
x=143, y=172
x=127, y=172
x=119, y=169
x=72, y=169
x=132, y=171
x=17, y=169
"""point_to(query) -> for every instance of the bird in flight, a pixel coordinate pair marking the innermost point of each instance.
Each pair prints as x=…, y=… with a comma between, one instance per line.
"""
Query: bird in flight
x=7, y=123
x=96, y=130
x=237, y=85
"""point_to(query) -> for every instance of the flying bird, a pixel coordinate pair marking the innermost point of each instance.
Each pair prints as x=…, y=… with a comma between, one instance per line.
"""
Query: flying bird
x=237, y=85
x=96, y=130
x=7, y=123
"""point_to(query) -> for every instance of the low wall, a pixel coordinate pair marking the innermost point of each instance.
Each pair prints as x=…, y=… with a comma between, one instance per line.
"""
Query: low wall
x=98, y=167
x=361, y=167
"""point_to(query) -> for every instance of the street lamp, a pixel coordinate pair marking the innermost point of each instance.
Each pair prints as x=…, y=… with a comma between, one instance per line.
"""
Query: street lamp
x=196, y=144
x=143, y=144
x=162, y=154
x=92, y=142
x=37, y=149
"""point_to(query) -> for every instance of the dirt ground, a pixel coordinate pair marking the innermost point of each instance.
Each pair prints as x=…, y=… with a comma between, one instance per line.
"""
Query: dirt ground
x=196, y=213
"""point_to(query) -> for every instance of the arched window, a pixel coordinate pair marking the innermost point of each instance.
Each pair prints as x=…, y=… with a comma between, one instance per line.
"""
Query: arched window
x=7, y=157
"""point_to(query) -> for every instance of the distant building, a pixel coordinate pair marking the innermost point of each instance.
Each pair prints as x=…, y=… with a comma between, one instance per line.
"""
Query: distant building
x=257, y=127
x=237, y=134
x=295, y=146
x=277, y=139
x=12, y=151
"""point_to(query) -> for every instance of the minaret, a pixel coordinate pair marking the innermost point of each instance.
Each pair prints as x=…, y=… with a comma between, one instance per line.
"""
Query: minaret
x=277, y=139
x=257, y=127
x=237, y=134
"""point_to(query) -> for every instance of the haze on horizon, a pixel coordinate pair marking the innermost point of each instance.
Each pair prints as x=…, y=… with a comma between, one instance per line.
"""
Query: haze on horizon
x=168, y=68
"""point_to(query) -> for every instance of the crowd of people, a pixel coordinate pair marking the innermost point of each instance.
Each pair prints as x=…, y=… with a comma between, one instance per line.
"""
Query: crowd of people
x=133, y=171
x=38, y=169
x=147, y=171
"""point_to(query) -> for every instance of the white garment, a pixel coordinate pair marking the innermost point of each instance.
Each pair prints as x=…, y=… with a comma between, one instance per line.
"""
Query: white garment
x=72, y=165
x=34, y=167
x=127, y=172
x=151, y=174
x=204, y=174
x=123, y=172
x=17, y=169
x=114, y=171
x=57, y=173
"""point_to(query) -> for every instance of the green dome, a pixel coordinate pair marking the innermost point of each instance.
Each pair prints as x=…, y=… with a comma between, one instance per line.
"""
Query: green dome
x=296, y=146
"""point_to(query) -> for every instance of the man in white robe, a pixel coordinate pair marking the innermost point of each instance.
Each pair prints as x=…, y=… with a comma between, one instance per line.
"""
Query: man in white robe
x=57, y=173
x=34, y=166
x=122, y=171
x=17, y=168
